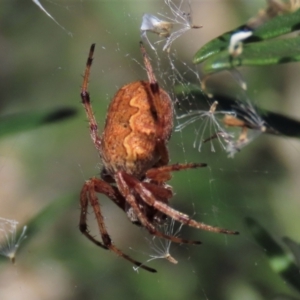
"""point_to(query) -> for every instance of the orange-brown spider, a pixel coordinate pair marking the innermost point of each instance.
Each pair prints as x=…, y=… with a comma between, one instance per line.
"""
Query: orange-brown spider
x=133, y=149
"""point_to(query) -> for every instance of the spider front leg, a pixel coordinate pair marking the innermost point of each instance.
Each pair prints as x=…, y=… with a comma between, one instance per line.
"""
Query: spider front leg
x=126, y=184
x=85, y=98
x=161, y=175
x=177, y=215
x=88, y=194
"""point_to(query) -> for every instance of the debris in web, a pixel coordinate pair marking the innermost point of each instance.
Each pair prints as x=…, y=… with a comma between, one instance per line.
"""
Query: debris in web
x=151, y=23
x=9, y=243
x=240, y=114
x=247, y=117
x=170, y=28
x=235, y=146
x=160, y=246
x=210, y=124
x=38, y=3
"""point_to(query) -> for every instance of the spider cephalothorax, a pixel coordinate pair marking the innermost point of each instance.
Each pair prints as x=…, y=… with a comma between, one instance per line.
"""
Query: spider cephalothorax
x=133, y=149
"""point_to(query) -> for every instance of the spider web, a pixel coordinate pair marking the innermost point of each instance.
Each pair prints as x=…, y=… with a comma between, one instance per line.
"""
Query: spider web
x=261, y=181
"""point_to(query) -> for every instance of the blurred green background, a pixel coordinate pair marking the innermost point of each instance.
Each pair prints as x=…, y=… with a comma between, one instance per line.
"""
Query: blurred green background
x=41, y=68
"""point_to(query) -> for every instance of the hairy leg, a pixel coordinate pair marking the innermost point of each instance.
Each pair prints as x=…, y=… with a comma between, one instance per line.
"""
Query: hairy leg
x=88, y=193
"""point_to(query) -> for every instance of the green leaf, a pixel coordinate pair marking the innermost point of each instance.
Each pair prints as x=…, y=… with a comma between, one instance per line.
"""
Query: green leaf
x=21, y=122
x=279, y=260
x=294, y=247
x=277, y=26
x=256, y=54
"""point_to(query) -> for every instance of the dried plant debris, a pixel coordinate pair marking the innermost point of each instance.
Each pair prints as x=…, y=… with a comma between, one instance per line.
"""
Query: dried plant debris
x=169, y=28
x=9, y=242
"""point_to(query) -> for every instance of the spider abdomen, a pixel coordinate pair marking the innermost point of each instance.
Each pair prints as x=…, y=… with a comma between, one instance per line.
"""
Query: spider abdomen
x=129, y=140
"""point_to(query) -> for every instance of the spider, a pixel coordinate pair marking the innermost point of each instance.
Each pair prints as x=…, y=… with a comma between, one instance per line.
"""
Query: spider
x=133, y=150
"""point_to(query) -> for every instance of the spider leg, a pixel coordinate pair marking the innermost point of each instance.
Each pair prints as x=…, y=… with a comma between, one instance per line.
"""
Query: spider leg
x=88, y=193
x=85, y=98
x=162, y=174
x=149, y=198
x=126, y=183
x=150, y=73
x=83, y=214
x=160, y=192
x=158, y=106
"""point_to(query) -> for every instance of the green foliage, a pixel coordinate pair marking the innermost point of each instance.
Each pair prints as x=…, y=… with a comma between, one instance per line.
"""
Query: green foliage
x=280, y=260
x=271, y=52
x=257, y=50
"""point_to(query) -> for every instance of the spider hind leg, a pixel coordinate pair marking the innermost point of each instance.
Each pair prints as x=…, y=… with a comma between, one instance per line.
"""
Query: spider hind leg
x=88, y=194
